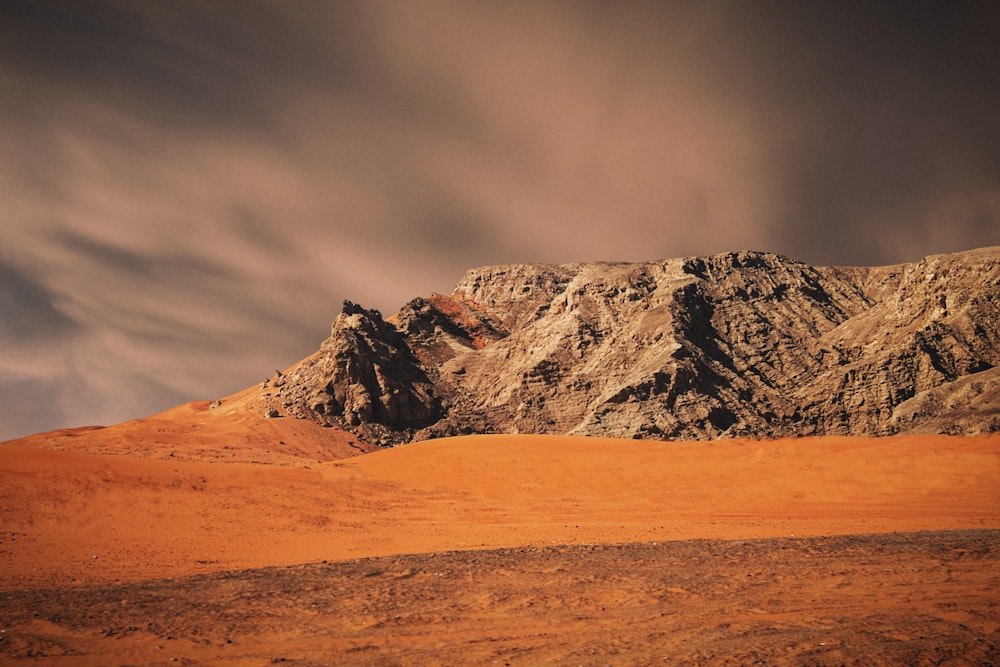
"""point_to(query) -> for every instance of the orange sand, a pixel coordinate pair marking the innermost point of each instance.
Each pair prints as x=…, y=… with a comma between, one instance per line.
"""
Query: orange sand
x=70, y=517
x=234, y=432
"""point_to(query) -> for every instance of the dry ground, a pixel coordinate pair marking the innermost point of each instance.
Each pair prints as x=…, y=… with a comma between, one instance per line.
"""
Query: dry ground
x=536, y=549
x=898, y=599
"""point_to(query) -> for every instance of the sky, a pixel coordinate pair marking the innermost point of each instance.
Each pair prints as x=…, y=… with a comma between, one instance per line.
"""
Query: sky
x=191, y=189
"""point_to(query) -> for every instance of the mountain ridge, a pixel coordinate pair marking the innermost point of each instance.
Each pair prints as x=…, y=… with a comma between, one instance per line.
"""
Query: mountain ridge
x=737, y=344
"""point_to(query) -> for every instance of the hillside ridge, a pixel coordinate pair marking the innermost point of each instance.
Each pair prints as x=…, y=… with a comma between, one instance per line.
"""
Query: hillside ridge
x=738, y=344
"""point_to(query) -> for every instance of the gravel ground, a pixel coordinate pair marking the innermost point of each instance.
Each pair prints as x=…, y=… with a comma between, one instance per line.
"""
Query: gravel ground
x=930, y=598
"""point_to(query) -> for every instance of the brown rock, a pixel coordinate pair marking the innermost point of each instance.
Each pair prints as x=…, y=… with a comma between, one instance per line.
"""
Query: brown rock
x=736, y=344
x=364, y=376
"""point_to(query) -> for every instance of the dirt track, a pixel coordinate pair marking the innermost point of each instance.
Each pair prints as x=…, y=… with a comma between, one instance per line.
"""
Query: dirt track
x=915, y=599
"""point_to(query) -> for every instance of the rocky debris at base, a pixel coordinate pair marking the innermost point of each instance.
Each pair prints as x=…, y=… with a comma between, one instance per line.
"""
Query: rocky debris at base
x=739, y=344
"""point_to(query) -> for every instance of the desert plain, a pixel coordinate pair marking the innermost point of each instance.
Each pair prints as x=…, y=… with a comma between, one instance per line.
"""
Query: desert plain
x=219, y=537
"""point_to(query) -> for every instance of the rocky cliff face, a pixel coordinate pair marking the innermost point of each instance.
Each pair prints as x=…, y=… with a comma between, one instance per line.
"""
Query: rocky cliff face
x=364, y=377
x=745, y=343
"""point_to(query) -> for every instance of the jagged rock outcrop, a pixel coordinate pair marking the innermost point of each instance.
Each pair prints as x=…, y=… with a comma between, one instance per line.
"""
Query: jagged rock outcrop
x=736, y=344
x=364, y=377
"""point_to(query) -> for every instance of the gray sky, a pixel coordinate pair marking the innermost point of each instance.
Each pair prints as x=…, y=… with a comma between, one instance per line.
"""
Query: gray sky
x=190, y=189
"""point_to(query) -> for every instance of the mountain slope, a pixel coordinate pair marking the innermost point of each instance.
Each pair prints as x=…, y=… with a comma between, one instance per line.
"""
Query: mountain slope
x=749, y=344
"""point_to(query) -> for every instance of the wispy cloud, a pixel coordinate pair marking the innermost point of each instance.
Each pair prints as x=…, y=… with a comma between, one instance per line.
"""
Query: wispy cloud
x=190, y=189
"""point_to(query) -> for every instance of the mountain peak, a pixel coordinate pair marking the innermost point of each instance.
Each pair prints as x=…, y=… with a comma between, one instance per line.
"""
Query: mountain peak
x=743, y=343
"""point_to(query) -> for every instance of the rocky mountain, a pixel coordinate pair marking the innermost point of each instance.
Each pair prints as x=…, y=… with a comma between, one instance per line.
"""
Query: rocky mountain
x=740, y=344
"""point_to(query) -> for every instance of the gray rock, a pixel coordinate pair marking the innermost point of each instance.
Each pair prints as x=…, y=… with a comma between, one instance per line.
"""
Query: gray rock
x=736, y=344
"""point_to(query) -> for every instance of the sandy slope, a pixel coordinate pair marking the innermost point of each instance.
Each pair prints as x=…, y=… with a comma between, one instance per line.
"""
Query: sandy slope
x=70, y=517
x=232, y=431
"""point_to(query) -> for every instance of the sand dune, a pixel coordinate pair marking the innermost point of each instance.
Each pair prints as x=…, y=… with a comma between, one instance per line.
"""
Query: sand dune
x=75, y=517
x=234, y=430
x=220, y=537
